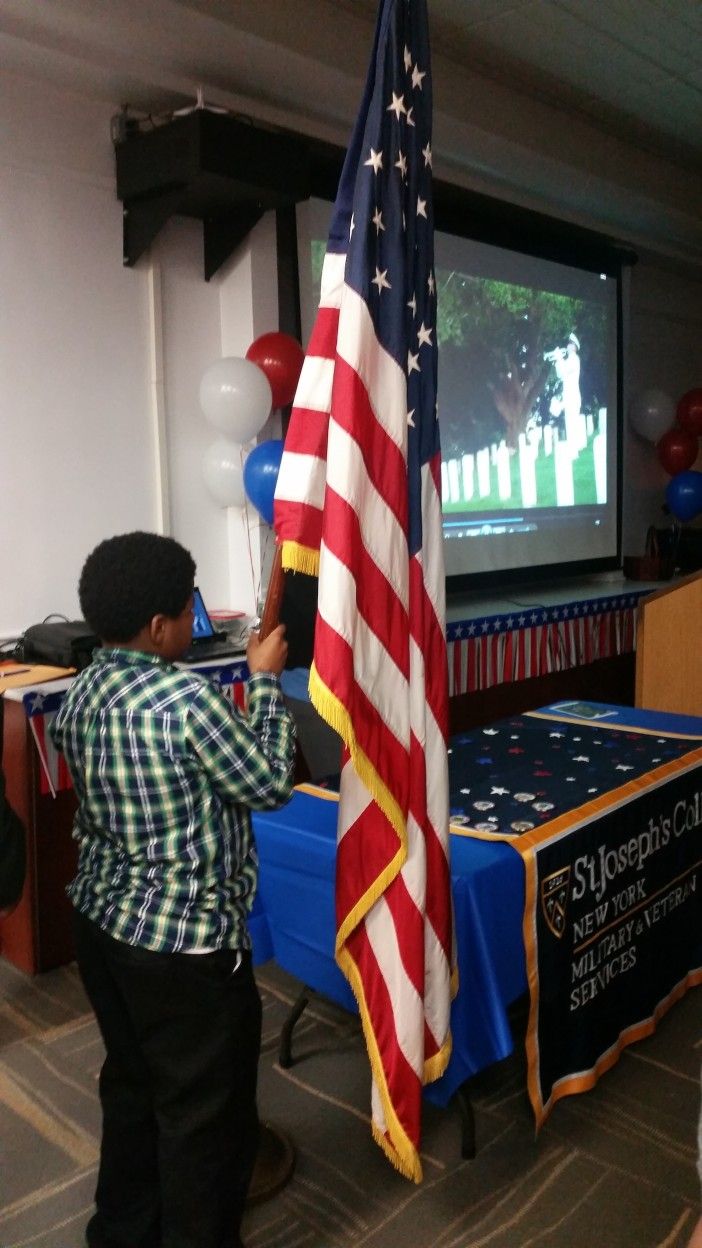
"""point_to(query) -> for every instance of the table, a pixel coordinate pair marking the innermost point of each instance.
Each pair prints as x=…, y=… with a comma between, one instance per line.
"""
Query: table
x=297, y=847
x=297, y=851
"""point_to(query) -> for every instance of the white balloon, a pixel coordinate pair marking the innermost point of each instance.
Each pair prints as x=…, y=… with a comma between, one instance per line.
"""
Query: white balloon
x=223, y=473
x=236, y=397
x=651, y=414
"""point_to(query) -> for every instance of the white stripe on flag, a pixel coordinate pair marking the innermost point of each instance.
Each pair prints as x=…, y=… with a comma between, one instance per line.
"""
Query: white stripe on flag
x=302, y=479
x=374, y=670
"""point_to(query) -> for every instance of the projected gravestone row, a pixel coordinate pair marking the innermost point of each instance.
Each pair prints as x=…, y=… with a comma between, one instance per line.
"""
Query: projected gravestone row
x=544, y=470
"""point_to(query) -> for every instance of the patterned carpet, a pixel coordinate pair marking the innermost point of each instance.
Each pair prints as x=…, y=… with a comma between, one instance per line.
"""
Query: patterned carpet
x=612, y=1169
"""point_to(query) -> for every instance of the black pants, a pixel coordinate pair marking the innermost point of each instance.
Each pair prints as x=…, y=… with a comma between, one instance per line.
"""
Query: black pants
x=178, y=1092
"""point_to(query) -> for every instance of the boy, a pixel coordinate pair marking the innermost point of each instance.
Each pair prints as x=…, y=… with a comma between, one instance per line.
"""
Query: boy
x=165, y=772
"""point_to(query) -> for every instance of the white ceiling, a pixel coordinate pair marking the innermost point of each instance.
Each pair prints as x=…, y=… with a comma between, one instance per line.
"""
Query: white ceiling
x=631, y=66
x=605, y=74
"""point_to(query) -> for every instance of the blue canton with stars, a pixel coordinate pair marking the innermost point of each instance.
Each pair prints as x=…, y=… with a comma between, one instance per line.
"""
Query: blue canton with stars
x=520, y=773
x=383, y=220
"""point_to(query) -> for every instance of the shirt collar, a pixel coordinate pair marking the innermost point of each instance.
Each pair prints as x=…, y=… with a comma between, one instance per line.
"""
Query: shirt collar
x=131, y=658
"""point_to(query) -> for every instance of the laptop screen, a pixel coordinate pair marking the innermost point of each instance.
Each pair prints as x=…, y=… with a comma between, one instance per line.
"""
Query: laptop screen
x=202, y=624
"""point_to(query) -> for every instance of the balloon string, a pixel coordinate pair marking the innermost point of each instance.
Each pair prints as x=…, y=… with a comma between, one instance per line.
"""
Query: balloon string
x=256, y=583
x=256, y=588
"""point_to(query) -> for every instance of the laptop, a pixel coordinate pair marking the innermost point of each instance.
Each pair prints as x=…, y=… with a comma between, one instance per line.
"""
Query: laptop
x=207, y=642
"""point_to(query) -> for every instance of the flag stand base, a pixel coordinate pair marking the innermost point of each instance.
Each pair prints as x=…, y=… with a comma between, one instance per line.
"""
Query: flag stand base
x=275, y=1162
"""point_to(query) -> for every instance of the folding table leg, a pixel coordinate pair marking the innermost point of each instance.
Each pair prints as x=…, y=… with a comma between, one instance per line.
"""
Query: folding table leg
x=465, y=1108
x=285, y=1057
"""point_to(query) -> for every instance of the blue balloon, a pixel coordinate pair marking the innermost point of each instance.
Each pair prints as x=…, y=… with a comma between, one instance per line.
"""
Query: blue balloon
x=684, y=494
x=261, y=469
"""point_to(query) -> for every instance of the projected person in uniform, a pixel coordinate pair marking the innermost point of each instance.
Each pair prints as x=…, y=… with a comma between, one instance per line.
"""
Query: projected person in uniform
x=566, y=361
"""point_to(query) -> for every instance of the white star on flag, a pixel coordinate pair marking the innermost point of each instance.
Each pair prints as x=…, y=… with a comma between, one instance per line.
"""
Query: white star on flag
x=424, y=335
x=417, y=76
x=397, y=106
x=401, y=164
x=421, y=207
x=412, y=363
x=375, y=159
x=380, y=280
x=378, y=221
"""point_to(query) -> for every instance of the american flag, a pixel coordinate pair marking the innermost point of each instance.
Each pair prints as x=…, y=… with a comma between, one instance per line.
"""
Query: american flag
x=358, y=501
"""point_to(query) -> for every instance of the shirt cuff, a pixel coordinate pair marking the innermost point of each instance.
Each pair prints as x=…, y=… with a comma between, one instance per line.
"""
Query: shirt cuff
x=264, y=684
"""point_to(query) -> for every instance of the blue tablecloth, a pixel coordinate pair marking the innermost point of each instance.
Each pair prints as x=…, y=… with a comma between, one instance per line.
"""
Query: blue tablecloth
x=295, y=918
x=297, y=849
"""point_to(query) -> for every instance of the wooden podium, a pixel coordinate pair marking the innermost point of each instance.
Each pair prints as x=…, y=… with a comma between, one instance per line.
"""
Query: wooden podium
x=668, y=649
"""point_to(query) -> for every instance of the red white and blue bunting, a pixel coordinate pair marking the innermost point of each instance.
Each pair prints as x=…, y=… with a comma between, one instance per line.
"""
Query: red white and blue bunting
x=534, y=641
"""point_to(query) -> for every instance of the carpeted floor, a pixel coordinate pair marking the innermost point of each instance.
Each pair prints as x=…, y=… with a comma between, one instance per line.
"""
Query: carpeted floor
x=612, y=1169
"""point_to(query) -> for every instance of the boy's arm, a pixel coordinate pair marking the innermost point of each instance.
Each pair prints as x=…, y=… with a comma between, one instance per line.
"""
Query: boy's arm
x=248, y=758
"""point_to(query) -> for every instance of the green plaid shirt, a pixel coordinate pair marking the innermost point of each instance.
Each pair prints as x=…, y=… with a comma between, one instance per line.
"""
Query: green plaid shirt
x=166, y=770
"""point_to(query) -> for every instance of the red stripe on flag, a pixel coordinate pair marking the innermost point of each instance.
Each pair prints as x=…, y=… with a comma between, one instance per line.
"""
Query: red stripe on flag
x=382, y=458
x=299, y=523
x=364, y=851
x=334, y=665
x=408, y=919
x=428, y=634
x=309, y=434
x=376, y=600
x=405, y=1082
x=322, y=341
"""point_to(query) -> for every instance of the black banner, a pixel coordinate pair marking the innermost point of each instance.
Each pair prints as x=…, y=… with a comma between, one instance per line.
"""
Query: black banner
x=613, y=928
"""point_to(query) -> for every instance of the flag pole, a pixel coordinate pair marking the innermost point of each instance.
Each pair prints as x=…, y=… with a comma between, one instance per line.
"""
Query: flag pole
x=275, y=1157
x=274, y=595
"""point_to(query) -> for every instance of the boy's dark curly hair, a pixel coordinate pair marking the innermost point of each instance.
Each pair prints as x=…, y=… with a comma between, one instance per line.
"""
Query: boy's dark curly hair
x=130, y=578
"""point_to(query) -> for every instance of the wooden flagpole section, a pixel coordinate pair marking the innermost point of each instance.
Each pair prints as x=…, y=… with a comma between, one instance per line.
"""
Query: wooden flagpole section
x=274, y=595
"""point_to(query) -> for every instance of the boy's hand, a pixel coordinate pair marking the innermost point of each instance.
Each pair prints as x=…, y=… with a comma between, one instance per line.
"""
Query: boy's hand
x=268, y=655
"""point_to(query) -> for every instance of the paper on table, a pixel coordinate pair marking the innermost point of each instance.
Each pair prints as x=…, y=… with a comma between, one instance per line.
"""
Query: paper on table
x=16, y=675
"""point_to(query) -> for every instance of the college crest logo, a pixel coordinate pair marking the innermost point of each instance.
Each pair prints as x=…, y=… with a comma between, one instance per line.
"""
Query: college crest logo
x=555, y=889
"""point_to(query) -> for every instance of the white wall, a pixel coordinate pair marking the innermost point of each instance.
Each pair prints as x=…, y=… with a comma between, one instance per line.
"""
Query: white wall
x=76, y=458
x=78, y=449
x=77, y=385
x=203, y=321
x=664, y=353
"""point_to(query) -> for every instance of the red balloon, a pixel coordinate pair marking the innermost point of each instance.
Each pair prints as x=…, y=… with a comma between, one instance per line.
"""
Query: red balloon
x=280, y=357
x=689, y=411
x=677, y=450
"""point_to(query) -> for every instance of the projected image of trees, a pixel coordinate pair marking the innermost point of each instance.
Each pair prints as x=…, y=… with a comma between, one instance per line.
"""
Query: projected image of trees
x=522, y=396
